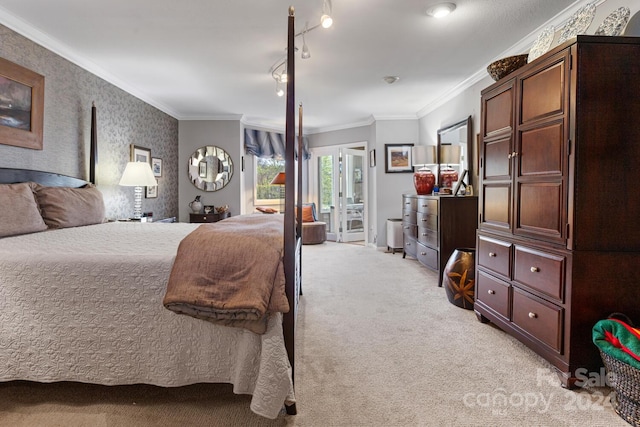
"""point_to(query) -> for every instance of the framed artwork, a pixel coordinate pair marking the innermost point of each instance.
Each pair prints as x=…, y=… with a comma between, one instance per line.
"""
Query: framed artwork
x=397, y=158
x=22, y=107
x=151, y=192
x=140, y=154
x=372, y=158
x=156, y=167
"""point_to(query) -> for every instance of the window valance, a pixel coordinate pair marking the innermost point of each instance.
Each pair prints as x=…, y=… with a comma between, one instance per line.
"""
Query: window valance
x=270, y=145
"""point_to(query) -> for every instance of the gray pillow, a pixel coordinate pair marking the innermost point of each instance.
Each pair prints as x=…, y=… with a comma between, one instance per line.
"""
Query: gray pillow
x=19, y=212
x=63, y=207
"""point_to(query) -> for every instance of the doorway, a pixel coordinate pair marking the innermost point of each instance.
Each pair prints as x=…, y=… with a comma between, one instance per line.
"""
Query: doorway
x=338, y=185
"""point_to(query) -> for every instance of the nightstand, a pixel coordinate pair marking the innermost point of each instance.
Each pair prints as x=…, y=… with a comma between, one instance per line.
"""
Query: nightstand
x=210, y=217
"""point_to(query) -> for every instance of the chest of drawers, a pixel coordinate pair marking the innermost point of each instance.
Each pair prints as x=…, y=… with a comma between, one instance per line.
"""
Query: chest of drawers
x=434, y=226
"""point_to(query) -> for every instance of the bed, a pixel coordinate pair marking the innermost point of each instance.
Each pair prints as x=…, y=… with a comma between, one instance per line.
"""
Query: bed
x=84, y=301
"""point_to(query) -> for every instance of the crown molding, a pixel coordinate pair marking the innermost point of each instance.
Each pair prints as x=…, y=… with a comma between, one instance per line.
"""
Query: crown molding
x=27, y=30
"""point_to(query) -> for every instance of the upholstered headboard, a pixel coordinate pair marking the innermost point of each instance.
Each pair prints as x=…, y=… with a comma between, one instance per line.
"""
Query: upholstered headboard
x=50, y=179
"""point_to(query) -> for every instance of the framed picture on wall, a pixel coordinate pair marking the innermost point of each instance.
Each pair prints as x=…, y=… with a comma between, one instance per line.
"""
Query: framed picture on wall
x=156, y=167
x=397, y=158
x=151, y=192
x=140, y=154
x=22, y=110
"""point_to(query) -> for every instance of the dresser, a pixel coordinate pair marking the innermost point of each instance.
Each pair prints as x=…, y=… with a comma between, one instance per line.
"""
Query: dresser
x=210, y=217
x=558, y=245
x=434, y=226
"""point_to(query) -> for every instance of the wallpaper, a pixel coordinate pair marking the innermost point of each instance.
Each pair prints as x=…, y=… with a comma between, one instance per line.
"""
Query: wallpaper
x=122, y=119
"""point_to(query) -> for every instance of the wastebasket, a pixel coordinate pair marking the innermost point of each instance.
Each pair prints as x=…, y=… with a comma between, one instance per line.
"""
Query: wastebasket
x=394, y=234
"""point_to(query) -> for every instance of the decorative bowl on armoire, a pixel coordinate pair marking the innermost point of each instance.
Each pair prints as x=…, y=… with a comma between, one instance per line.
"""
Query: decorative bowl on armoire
x=502, y=67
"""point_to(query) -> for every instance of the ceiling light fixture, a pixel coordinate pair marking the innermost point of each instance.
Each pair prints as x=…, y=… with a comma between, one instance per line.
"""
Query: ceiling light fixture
x=441, y=10
x=326, y=20
x=305, y=50
x=278, y=70
x=391, y=79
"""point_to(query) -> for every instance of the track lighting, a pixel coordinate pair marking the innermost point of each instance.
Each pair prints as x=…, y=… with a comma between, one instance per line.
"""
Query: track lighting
x=279, y=69
x=326, y=21
x=305, y=49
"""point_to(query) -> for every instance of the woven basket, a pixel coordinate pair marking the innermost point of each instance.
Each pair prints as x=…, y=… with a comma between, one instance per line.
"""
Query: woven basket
x=502, y=67
x=625, y=381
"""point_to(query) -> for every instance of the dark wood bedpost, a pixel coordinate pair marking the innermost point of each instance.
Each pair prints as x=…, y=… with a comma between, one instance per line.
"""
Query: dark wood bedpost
x=93, y=151
x=289, y=195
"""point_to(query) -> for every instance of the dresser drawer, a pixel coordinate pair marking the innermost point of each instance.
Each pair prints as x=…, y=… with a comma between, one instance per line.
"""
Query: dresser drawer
x=409, y=245
x=427, y=220
x=409, y=203
x=493, y=293
x=540, y=319
x=428, y=237
x=494, y=255
x=427, y=256
x=429, y=206
x=540, y=271
x=408, y=217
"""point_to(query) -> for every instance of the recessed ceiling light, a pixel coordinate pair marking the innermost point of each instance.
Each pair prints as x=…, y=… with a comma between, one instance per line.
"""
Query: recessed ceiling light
x=391, y=79
x=441, y=10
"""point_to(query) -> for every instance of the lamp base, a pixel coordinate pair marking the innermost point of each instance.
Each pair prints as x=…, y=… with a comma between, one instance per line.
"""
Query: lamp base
x=424, y=181
x=137, y=202
x=448, y=178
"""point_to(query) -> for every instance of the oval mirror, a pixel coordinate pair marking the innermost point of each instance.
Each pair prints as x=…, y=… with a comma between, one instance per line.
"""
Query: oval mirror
x=210, y=168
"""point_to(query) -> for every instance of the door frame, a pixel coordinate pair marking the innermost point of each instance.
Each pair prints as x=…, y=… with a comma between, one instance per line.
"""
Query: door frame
x=334, y=150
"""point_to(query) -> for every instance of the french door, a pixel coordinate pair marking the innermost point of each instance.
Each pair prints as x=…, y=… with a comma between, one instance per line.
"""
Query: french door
x=340, y=190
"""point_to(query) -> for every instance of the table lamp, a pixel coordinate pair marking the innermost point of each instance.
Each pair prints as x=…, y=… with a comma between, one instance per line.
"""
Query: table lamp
x=423, y=179
x=138, y=175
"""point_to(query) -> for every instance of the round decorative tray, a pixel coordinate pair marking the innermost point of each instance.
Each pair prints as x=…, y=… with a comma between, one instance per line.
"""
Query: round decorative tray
x=500, y=68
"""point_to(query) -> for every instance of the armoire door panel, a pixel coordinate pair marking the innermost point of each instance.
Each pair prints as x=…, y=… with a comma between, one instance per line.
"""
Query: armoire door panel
x=499, y=112
x=543, y=93
x=540, y=208
x=496, y=209
x=497, y=159
x=541, y=151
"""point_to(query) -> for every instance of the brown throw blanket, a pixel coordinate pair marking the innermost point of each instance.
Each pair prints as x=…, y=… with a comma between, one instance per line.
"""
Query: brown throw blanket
x=231, y=272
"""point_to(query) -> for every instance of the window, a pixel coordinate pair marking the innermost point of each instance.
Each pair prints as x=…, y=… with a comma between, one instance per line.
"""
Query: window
x=266, y=170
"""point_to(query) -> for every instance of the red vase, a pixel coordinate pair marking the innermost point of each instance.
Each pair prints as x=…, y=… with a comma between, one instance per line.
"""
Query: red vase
x=424, y=181
x=448, y=177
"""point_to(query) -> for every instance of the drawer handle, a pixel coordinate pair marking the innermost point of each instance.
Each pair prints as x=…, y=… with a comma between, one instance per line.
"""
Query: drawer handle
x=424, y=234
x=534, y=269
x=407, y=203
x=424, y=206
x=204, y=218
x=491, y=292
x=423, y=253
x=532, y=315
x=492, y=254
x=408, y=244
x=423, y=220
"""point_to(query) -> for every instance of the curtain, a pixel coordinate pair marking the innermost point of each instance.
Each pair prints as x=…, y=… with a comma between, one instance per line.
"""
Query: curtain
x=270, y=145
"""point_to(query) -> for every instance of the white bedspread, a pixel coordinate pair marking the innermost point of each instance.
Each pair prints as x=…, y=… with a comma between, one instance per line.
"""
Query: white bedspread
x=85, y=304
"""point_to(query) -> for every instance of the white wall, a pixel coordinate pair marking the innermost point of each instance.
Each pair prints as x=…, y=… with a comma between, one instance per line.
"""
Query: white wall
x=193, y=134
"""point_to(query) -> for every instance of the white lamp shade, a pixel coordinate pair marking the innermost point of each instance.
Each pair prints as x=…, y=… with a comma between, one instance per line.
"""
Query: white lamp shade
x=450, y=154
x=138, y=174
x=423, y=155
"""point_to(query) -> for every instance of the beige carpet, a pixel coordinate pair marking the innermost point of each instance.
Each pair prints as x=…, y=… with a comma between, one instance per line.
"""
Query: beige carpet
x=378, y=345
